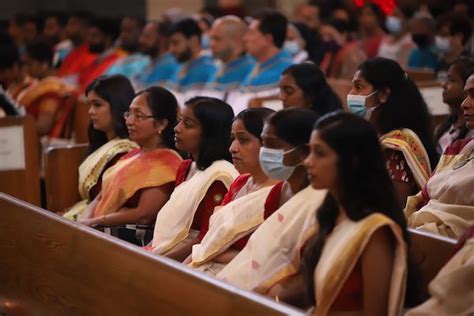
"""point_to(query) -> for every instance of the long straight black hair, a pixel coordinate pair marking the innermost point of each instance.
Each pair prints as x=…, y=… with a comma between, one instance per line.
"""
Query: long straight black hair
x=363, y=184
x=405, y=107
x=118, y=92
x=216, y=118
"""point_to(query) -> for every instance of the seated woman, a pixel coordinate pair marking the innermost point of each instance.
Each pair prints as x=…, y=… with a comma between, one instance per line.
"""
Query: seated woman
x=242, y=209
x=304, y=85
x=384, y=95
x=356, y=264
x=108, y=99
x=140, y=183
x=272, y=253
x=201, y=182
x=454, y=127
x=445, y=205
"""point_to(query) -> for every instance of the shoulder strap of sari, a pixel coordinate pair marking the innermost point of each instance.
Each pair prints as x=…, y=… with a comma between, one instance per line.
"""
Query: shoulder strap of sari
x=92, y=167
x=42, y=87
x=341, y=253
x=230, y=223
x=175, y=217
x=410, y=145
x=127, y=176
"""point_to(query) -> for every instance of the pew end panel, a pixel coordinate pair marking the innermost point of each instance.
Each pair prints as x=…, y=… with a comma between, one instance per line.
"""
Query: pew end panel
x=61, y=175
x=23, y=183
x=431, y=252
x=56, y=267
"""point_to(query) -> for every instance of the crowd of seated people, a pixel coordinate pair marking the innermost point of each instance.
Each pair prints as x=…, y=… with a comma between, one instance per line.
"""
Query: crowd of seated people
x=309, y=202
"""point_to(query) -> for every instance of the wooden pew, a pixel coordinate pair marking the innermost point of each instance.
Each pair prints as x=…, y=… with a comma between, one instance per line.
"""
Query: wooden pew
x=50, y=266
x=420, y=74
x=61, y=175
x=23, y=180
x=431, y=252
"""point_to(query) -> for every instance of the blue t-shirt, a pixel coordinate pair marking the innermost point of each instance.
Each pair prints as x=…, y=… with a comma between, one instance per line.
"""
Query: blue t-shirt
x=266, y=75
x=423, y=58
x=231, y=75
x=196, y=74
x=130, y=66
x=163, y=73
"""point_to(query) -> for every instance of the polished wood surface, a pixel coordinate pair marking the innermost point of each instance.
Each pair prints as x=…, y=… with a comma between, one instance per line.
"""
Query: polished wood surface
x=50, y=266
x=24, y=184
x=61, y=176
x=80, y=121
x=431, y=252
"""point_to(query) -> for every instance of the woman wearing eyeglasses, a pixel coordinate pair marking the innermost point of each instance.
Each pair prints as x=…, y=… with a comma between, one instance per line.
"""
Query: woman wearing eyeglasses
x=135, y=189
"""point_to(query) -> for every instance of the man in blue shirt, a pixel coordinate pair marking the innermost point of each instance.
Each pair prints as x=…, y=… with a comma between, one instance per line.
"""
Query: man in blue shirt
x=164, y=68
x=264, y=41
x=227, y=45
x=197, y=69
x=425, y=55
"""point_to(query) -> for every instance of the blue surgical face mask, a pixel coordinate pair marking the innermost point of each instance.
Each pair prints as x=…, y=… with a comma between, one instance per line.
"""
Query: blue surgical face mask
x=442, y=44
x=271, y=161
x=356, y=103
x=205, y=41
x=393, y=24
x=292, y=47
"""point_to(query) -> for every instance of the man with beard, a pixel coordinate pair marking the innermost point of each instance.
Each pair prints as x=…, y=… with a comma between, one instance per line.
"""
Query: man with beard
x=164, y=68
x=74, y=48
x=100, y=37
x=197, y=69
x=135, y=62
x=227, y=45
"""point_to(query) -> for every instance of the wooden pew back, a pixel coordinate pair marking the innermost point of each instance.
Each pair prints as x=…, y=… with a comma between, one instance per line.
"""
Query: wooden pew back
x=23, y=183
x=61, y=176
x=431, y=252
x=55, y=267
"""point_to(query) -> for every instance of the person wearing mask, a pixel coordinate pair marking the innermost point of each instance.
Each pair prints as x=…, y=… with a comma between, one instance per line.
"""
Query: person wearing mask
x=134, y=63
x=383, y=94
x=73, y=54
x=264, y=41
x=295, y=44
x=445, y=205
x=10, y=72
x=243, y=208
x=270, y=261
x=108, y=98
x=197, y=69
x=425, y=55
x=454, y=46
x=343, y=55
x=163, y=69
x=100, y=37
x=454, y=128
x=228, y=47
x=398, y=43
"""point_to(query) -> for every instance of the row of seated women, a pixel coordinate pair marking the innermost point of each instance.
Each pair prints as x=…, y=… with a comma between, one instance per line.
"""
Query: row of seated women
x=309, y=210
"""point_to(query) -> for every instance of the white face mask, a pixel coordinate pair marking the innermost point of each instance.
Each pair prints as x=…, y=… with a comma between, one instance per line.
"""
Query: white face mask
x=271, y=161
x=357, y=104
x=292, y=47
x=393, y=24
x=442, y=44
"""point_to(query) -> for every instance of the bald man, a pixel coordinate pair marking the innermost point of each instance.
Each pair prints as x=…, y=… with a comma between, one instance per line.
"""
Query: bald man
x=227, y=45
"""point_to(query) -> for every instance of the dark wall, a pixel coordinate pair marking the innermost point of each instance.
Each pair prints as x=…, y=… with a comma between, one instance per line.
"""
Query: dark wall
x=98, y=7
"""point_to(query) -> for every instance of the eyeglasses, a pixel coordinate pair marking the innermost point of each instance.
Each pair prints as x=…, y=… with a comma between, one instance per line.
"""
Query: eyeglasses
x=137, y=116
